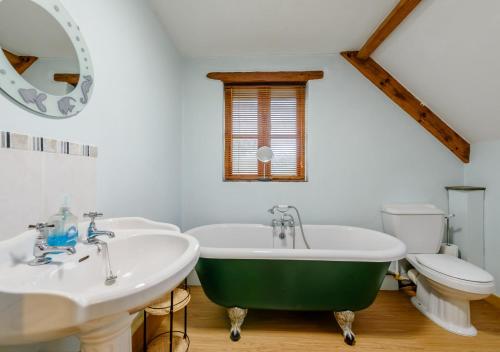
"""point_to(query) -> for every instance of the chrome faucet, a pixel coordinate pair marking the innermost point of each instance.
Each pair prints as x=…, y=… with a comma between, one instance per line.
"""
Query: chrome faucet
x=41, y=250
x=92, y=238
x=287, y=220
x=93, y=232
x=285, y=224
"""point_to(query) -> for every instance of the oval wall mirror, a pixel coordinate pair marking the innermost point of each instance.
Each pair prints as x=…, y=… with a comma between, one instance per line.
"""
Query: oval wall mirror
x=44, y=62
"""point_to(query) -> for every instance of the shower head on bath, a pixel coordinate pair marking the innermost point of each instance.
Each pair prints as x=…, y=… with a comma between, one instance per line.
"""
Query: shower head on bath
x=280, y=208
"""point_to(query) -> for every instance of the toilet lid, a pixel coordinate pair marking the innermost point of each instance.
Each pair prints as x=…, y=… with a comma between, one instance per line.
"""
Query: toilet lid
x=454, y=267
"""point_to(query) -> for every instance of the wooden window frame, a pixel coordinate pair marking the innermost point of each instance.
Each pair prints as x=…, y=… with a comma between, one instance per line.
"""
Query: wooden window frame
x=266, y=79
x=264, y=137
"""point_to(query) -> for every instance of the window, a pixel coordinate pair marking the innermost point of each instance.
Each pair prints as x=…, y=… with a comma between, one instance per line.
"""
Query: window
x=264, y=109
x=271, y=115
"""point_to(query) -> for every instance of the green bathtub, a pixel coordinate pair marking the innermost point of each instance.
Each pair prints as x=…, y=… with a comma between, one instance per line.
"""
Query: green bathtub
x=291, y=284
x=245, y=267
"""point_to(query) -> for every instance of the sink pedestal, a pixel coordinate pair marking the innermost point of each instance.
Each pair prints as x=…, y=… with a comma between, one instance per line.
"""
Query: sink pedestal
x=112, y=334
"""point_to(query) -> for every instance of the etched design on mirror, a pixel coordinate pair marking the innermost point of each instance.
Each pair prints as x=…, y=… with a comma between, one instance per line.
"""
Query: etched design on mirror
x=86, y=85
x=31, y=96
x=65, y=105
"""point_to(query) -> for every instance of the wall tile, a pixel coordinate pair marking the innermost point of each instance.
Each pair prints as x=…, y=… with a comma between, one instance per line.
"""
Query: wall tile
x=35, y=175
x=20, y=191
x=74, y=176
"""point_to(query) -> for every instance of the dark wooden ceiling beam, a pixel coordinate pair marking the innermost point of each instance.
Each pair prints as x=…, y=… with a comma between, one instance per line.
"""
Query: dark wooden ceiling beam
x=409, y=103
x=265, y=77
x=397, y=15
x=20, y=63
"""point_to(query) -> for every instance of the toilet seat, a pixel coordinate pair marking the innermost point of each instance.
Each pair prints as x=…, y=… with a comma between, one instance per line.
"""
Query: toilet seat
x=454, y=267
x=453, y=272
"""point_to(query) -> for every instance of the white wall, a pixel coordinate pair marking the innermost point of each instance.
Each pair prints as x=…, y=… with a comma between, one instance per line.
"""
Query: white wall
x=363, y=151
x=134, y=114
x=484, y=170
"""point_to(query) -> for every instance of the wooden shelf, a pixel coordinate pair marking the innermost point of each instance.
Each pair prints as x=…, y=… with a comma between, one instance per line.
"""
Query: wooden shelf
x=162, y=342
x=181, y=299
x=147, y=331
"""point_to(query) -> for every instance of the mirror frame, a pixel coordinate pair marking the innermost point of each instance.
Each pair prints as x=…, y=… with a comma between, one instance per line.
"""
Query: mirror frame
x=35, y=100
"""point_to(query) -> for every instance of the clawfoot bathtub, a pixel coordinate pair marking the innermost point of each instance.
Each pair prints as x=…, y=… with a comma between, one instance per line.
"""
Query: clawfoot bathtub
x=245, y=267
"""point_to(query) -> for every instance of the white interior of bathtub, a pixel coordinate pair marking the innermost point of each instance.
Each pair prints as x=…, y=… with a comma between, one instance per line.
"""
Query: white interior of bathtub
x=328, y=242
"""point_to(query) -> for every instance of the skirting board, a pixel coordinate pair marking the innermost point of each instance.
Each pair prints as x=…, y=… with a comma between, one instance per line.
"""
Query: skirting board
x=493, y=300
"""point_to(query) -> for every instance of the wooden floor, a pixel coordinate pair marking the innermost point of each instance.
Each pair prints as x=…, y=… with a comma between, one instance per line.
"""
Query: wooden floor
x=390, y=324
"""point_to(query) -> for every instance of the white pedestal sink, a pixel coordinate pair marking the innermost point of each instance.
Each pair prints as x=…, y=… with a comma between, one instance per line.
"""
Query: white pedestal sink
x=69, y=296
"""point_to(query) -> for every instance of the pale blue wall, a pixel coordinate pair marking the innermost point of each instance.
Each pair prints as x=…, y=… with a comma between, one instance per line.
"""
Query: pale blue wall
x=362, y=151
x=134, y=115
x=484, y=170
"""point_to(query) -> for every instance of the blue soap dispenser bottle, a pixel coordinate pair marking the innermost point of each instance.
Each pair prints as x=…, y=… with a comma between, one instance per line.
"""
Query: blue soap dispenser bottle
x=65, y=231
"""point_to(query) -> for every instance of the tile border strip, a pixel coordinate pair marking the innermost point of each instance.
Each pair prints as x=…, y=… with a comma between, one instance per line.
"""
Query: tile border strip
x=12, y=140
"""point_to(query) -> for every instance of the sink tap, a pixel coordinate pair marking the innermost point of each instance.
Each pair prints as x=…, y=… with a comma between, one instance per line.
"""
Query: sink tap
x=93, y=232
x=42, y=249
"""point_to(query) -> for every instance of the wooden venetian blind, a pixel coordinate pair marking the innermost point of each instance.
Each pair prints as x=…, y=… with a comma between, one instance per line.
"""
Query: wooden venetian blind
x=258, y=115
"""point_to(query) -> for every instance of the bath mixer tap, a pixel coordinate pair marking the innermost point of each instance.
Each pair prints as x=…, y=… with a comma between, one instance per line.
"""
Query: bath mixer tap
x=41, y=250
x=285, y=215
x=285, y=223
x=92, y=231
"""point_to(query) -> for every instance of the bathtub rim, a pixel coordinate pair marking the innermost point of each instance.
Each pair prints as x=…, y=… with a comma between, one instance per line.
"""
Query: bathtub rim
x=396, y=252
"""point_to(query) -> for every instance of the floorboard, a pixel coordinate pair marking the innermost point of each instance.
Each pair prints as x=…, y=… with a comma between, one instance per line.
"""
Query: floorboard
x=390, y=324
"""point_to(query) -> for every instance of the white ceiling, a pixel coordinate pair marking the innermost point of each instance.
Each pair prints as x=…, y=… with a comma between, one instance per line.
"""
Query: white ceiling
x=447, y=52
x=203, y=28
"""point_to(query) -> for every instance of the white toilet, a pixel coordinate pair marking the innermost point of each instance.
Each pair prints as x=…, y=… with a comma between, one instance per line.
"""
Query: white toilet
x=445, y=284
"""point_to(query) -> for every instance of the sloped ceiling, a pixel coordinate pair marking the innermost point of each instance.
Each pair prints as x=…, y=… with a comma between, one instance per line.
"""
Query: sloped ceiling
x=447, y=52
x=203, y=28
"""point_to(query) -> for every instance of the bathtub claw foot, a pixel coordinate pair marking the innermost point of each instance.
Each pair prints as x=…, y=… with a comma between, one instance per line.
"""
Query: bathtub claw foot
x=236, y=316
x=235, y=336
x=345, y=320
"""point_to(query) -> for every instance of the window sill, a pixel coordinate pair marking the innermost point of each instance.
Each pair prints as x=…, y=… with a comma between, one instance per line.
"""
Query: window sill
x=266, y=181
